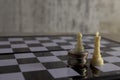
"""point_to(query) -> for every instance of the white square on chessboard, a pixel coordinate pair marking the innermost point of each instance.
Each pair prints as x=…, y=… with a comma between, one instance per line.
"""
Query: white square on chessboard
x=6, y=50
x=104, y=42
x=112, y=59
x=86, y=40
x=90, y=50
x=8, y=62
x=38, y=49
x=88, y=37
x=58, y=53
x=67, y=38
x=4, y=43
x=48, y=59
x=116, y=48
x=73, y=43
x=114, y=53
x=24, y=55
x=107, y=67
x=32, y=42
x=31, y=67
x=15, y=39
x=68, y=47
x=12, y=76
x=19, y=45
x=63, y=72
x=58, y=40
x=49, y=44
x=42, y=38
x=89, y=55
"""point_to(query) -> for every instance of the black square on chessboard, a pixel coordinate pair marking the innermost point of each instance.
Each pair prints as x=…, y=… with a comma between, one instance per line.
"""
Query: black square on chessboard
x=54, y=37
x=29, y=38
x=17, y=42
x=54, y=48
x=38, y=75
x=87, y=46
x=107, y=49
x=5, y=46
x=73, y=40
x=3, y=39
x=27, y=60
x=43, y=54
x=53, y=65
x=63, y=43
x=34, y=45
x=9, y=69
x=86, y=42
x=45, y=41
x=16, y=50
x=8, y=56
x=63, y=57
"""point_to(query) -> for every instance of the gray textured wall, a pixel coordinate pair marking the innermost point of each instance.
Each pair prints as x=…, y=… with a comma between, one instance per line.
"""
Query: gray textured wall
x=58, y=16
x=55, y=15
x=9, y=15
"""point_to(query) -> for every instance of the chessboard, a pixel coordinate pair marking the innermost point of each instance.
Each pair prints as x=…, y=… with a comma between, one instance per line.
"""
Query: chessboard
x=45, y=58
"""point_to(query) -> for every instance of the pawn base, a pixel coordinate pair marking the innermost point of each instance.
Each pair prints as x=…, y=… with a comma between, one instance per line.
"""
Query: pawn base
x=78, y=59
x=97, y=62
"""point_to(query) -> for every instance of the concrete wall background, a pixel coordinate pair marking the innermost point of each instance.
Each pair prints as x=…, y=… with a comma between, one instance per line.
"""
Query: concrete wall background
x=59, y=16
x=9, y=16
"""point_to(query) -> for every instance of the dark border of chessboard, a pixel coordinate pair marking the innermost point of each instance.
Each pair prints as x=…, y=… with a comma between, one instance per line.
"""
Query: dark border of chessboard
x=111, y=40
x=113, y=77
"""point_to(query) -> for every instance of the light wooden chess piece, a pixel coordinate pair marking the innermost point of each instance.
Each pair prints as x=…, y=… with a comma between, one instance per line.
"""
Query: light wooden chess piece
x=77, y=56
x=97, y=58
x=79, y=48
x=79, y=45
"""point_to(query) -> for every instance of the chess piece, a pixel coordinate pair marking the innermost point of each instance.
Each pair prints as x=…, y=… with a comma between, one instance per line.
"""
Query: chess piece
x=79, y=45
x=82, y=71
x=78, y=56
x=97, y=59
x=77, y=60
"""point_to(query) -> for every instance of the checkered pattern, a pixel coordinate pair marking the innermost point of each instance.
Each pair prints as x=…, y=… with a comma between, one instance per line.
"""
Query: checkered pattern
x=20, y=66
x=45, y=58
x=39, y=44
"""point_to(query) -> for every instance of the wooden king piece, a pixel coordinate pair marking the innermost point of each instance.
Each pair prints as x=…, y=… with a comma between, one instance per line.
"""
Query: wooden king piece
x=97, y=59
